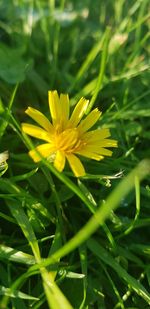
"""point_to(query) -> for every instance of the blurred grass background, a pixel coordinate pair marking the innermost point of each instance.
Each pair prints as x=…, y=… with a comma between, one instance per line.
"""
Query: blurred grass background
x=99, y=50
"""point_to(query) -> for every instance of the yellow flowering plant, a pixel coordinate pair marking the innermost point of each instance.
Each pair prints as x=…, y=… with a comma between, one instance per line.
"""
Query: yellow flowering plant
x=68, y=136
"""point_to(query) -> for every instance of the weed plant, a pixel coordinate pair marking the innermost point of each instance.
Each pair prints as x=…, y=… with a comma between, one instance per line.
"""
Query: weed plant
x=70, y=242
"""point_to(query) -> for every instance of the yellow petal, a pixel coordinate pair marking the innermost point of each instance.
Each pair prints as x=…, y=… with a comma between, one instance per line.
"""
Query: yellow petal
x=76, y=165
x=64, y=103
x=60, y=160
x=89, y=121
x=45, y=151
x=98, y=150
x=90, y=155
x=105, y=152
x=39, y=118
x=108, y=143
x=96, y=135
x=103, y=143
x=78, y=112
x=54, y=106
x=37, y=132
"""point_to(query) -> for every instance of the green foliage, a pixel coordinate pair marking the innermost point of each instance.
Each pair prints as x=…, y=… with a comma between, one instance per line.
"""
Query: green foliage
x=66, y=242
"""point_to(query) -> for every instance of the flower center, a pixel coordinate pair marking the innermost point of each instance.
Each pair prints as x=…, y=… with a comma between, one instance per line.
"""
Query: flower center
x=67, y=140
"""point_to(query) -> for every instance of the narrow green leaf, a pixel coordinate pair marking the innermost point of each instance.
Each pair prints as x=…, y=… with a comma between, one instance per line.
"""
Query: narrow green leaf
x=15, y=255
x=5, y=121
x=15, y=294
x=101, y=69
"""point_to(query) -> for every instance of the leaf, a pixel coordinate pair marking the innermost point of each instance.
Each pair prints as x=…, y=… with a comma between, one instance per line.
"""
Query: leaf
x=15, y=294
x=15, y=255
x=107, y=258
x=23, y=221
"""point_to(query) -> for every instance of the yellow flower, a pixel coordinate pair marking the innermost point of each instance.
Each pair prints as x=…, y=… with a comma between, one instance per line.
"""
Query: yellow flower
x=68, y=137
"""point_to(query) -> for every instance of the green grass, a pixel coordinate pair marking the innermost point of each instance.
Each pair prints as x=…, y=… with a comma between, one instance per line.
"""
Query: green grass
x=67, y=242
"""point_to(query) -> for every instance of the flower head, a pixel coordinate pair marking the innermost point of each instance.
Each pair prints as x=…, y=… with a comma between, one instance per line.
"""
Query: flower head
x=66, y=136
